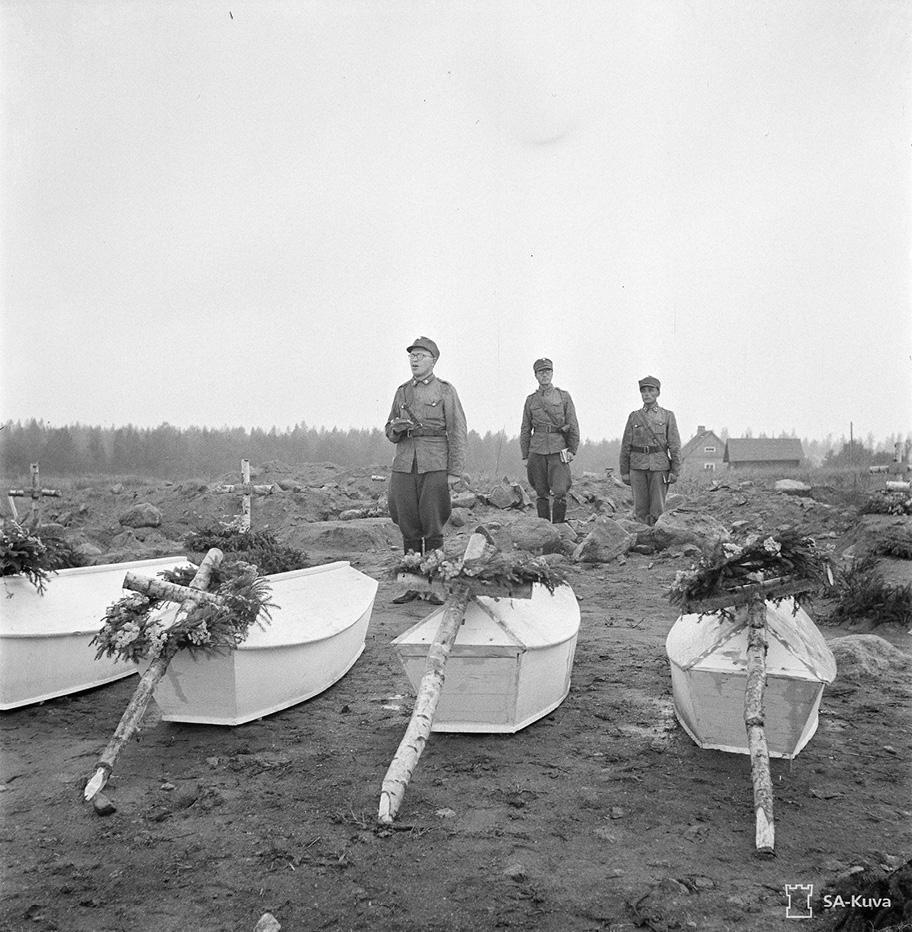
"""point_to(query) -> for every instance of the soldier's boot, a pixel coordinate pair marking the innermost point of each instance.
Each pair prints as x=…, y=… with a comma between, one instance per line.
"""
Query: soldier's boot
x=559, y=511
x=409, y=594
x=544, y=508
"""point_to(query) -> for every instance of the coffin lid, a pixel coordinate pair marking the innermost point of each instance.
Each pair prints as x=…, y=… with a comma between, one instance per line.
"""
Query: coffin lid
x=75, y=599
x=796, y=644
x=541, y=621
x=309, y=605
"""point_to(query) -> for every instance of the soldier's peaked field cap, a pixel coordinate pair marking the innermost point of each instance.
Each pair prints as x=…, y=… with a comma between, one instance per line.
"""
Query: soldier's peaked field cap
x=425, y=343
x=540, y=364
x=650, y=380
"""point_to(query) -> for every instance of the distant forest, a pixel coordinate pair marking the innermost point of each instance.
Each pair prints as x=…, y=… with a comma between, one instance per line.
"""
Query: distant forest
x=177, y=453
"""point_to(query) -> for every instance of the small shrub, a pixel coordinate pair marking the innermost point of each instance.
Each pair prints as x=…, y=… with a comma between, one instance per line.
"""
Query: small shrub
x=885, y=502
x=861, y=593
x=258, y=547
x=23, y=552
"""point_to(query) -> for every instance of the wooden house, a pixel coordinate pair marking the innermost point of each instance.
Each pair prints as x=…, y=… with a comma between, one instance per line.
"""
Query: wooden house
x=773, y=453
x=704, y=451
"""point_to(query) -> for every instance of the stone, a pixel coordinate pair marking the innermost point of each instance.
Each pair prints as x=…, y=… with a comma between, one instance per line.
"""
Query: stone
x=685, y=527
x=792, y=487
x=460, y=517
x=464, y=500
x=674, y=500
x=85, y=548
x=267, y=923
x=502, y=496
x=124, y=540
x=117, y=488
x=289, y=485
x=515, y=872
x=350, y=514
x=535, y=535
x=867, y=658
x=142, y=514
x=606, y=541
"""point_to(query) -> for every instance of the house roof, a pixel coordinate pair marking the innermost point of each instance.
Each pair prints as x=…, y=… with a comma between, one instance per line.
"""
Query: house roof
x=700, y=438
x=762, y=449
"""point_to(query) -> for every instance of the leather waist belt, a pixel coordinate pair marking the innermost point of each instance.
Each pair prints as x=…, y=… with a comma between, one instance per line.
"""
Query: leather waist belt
x=427, y=432
x=635, y=449
x=548, y=429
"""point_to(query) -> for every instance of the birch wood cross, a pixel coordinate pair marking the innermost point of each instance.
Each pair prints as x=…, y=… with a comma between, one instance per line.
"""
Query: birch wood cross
x=129, y=723
x=244, y=519
x=459, y=593
x=755, y=596
x=35, y=493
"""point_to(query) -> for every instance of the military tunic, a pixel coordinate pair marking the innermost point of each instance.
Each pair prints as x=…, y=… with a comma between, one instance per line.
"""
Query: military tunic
x=651, y=456
x=419, y=496
x=549, y=425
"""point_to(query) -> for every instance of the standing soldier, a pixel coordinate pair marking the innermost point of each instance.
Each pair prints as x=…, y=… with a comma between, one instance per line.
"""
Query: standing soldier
x=428, y=426
x=549, y=438
x=650, y=453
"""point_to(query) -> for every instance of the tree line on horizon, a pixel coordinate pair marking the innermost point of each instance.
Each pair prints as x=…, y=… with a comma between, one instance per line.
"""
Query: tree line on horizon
x=170, y=452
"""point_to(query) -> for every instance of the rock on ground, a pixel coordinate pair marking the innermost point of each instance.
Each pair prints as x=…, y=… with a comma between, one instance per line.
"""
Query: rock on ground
x=142, y=514
x=607, y=541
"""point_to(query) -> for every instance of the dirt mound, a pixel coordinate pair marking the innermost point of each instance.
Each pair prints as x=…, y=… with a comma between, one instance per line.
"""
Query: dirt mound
x=867, y=656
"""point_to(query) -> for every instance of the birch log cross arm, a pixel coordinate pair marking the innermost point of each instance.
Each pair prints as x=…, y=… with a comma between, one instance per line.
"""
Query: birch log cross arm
x=35, y=493
x=245, y=486
x=133, y=715
x=459, y=591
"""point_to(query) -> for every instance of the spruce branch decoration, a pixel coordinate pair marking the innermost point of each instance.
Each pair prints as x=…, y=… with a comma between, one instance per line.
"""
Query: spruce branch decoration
x=761, y=557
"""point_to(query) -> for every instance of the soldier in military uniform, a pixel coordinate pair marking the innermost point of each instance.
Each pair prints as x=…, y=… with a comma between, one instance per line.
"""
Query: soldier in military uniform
x=548, y=439
x=650, y=453
x=428, y=426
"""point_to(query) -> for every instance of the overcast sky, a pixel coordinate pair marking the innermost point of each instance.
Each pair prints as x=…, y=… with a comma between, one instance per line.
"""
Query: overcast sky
x=241, y=213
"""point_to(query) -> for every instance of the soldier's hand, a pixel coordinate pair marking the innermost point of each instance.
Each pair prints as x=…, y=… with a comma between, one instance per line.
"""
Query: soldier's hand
x=672, y=478
x=454, y=481
x=625, y=478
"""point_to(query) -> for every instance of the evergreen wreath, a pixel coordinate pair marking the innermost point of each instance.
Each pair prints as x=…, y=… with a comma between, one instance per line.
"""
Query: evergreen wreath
x=23, y=552
x=132, y=629
x=501, y=569
x=761, y=557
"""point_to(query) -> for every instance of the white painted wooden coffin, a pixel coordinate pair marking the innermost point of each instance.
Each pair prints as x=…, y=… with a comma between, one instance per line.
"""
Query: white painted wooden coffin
x=316, y=634
x=510, y=663
x=708, y=656
x=44, y=640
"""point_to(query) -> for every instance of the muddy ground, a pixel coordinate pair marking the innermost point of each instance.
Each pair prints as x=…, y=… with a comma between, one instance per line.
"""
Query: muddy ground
x=604, y=815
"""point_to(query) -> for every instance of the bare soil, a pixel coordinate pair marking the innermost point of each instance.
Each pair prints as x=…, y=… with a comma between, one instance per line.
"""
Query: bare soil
x=604, y=815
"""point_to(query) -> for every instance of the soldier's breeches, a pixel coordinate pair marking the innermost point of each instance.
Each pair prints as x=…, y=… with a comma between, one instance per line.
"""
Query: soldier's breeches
x=548, y=476
x=419, y=502
x=648, y=487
